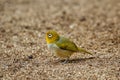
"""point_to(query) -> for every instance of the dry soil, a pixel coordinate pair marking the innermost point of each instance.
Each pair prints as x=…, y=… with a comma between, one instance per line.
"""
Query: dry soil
x=91, y=24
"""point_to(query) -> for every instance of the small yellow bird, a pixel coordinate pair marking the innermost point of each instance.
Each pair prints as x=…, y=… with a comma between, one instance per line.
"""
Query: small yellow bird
x=60, y=46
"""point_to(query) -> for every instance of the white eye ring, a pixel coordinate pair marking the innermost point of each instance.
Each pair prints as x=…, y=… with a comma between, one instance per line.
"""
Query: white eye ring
x=49, y=35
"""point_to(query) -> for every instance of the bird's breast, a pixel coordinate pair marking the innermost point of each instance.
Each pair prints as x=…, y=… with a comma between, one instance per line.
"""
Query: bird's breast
x=52, y=47
x=59, y=52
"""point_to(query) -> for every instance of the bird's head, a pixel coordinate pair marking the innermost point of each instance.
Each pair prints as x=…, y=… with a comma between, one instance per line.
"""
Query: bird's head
x=52, y=36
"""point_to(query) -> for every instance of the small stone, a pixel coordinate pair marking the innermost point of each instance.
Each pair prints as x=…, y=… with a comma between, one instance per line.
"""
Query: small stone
x=82, y=19
x=72, y=26
x=30, y=57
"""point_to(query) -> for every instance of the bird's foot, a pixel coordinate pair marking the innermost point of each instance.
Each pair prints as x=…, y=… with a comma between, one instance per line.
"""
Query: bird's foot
x=65, y=61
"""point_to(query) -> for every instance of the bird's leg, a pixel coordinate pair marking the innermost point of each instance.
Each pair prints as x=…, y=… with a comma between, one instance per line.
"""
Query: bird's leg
x=66, y=60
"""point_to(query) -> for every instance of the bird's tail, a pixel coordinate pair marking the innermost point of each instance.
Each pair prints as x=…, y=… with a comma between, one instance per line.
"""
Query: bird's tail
x=83, y=50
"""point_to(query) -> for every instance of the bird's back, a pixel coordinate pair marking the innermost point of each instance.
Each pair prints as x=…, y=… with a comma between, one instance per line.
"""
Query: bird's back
x=66, y=44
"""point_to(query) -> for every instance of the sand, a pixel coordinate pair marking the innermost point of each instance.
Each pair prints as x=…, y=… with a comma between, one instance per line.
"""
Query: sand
x=92, y=24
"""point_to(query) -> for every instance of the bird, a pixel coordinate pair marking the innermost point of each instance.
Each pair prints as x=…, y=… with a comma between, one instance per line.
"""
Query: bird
x=62, y=47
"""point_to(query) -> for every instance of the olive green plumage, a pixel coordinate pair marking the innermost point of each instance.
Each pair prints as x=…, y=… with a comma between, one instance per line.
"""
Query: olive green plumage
x=66, y=44
x=62, y=46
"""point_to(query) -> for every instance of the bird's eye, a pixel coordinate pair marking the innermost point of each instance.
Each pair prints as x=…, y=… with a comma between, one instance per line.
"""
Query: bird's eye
x=49, y=35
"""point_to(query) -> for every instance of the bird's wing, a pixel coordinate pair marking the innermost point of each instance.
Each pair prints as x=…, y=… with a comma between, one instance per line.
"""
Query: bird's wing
x=66, y=44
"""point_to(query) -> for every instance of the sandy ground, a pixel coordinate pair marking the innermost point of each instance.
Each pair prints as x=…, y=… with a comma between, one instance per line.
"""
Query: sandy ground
x=91, y=24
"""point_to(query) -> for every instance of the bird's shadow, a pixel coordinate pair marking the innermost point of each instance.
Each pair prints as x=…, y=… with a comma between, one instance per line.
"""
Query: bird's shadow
x=77, y=60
